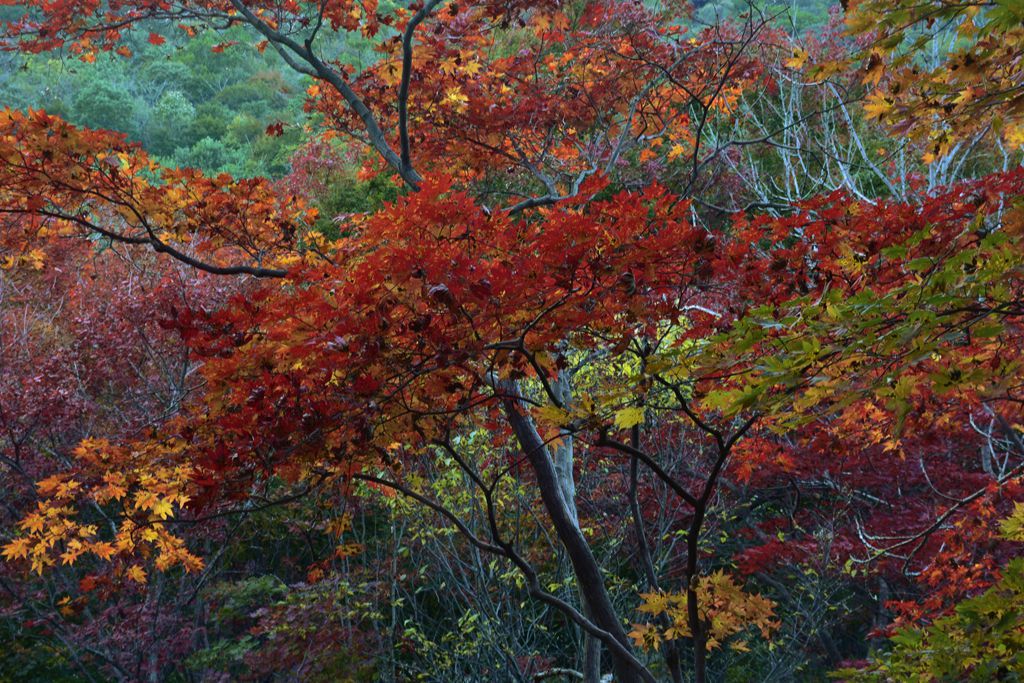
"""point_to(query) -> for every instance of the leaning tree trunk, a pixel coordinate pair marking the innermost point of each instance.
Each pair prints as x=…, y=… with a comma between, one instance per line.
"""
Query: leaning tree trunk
x=589, y=580
x=563, y=460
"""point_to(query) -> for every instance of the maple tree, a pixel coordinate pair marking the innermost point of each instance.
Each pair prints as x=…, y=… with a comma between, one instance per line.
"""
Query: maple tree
x=555, y=299
x=973, y=91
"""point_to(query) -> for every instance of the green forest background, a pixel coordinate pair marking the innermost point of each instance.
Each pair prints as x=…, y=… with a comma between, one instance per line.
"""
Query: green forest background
x=192, y=106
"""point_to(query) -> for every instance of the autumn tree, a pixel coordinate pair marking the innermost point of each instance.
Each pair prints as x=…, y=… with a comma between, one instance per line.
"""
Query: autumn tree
x=549, y=300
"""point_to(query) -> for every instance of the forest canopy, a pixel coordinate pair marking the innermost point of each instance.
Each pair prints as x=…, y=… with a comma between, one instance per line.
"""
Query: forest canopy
x=601, y=340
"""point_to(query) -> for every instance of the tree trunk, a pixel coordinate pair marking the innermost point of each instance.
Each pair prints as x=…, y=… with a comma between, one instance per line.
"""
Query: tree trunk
x=563, y=460
x=697, y=629
x=696, y=624
x=585, y=567
x=591, y=654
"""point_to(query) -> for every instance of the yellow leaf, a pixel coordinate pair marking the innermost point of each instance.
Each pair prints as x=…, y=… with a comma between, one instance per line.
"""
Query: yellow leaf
x=145, y=500
x=163, y=509
x=18, y=548
x=967, y=95
x=69, y=556
x=102, y=550
x=33, y=523
x=455, y=98
x=798, y=59
x=47, y=486
x=830, y=68
x=137, y=574
x=1015, y=135
x=629, y=417
x=448, y=65
x=875, y=69
x=876, y=106
x=552, y=415
x=1012, y=527
x=40, y=562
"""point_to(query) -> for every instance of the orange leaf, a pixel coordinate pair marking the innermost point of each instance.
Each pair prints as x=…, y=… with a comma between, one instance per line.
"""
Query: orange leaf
x=137, y=574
